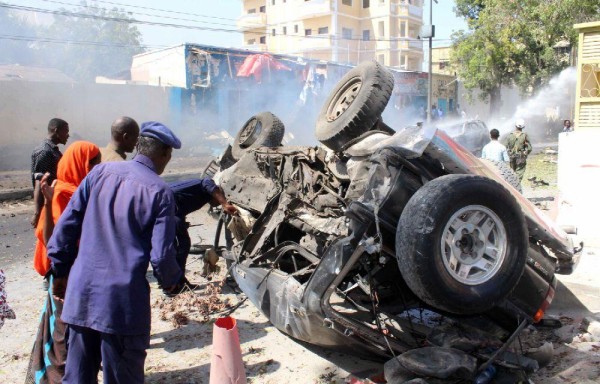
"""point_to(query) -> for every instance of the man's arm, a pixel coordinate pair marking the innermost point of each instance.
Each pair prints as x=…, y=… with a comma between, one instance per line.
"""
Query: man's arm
x=63, y=244
x=527, y=145
x=38, y=203
x=505, y=156
x=48, y=192
x=162, y=254
x=219, y=198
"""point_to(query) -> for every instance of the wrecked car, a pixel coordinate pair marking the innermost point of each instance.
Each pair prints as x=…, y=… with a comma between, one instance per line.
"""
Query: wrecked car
x=382, y=241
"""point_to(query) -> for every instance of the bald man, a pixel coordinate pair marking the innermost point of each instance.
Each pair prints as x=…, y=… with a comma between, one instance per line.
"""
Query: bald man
x=124, y=134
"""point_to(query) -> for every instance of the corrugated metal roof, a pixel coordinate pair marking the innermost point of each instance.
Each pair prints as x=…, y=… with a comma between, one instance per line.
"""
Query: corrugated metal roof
x=24, y=73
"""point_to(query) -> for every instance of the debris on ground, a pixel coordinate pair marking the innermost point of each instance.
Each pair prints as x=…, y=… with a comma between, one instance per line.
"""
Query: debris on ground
x=196, y=305
x=536, y=183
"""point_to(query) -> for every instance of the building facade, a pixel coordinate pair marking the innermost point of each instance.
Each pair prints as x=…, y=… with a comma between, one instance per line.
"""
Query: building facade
x=587, y=105
x=344, y=31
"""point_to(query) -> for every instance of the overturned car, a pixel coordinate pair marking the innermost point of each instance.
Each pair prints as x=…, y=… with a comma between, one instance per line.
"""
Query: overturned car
x=383, y=241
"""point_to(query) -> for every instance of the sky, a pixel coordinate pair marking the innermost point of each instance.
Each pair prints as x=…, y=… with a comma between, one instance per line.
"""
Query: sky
x=215, y=20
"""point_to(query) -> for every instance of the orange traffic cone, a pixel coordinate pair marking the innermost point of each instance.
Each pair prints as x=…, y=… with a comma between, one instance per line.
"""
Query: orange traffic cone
x=226, y=366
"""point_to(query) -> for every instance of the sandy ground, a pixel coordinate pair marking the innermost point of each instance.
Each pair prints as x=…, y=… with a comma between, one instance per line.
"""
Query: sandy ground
x=181, y=343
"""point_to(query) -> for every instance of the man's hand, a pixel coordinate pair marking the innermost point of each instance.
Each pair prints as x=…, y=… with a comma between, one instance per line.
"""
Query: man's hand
x=47, y=189
x=230, y=209
x=34, y=219
x=59, y=287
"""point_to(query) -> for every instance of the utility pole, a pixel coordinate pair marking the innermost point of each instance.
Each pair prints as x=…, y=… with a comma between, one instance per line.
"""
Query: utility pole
x=429, y=77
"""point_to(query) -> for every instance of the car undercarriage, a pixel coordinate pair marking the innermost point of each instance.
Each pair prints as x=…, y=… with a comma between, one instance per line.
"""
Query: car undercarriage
x=380, y=242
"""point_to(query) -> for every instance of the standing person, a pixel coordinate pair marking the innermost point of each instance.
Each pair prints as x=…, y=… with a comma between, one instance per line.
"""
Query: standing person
x=567, y=126
x=519, y=147
x=44, y=158
x=493, y=150
x=124, y=133
x=123, y=218
x=47, y=360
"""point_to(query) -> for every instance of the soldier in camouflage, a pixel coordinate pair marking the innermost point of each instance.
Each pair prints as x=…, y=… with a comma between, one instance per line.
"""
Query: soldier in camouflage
x=519, y=147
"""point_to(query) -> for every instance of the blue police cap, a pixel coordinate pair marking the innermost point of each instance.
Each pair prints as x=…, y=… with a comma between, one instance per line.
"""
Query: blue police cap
x=161, y=133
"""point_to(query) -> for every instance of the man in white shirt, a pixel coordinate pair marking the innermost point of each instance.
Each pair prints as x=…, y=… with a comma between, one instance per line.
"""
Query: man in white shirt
x=494, y=150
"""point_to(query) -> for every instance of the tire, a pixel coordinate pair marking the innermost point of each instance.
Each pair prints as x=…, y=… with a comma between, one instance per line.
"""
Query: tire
x=506, y=172
x=429, y=249
x=355, y=105
x=261, y=130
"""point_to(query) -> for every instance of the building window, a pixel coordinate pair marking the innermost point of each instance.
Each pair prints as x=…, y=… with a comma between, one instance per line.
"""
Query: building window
x=251, y=41
x=273, y=32
x=366, y=35
x=285, y=30
x=323, y=30
x=381, y=59
x=272, y=2
x=347, y=33
x=402, y=29
x=251, y=11
x=263, y=39
x=381, y=28
x=307, y=32
x=263, y=9
x=296, y=28
x=366, y=3
x=347, y=2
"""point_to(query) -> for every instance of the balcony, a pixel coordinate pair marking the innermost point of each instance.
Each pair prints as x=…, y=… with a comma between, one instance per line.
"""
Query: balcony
x=256, y=47
x=415, y=44
x=410, y=44
x=314, y=8
x=318, y=42
x=252, y=21
x=407, y=10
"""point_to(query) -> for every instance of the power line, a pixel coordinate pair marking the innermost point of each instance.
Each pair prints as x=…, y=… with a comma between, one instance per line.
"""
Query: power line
x=181, y=26
x=139, y=13
x=76, y=42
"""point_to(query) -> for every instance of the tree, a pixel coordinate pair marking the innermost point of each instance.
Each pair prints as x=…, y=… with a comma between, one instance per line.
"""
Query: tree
x=15, y=47
x=511, y=42
x=97, y=42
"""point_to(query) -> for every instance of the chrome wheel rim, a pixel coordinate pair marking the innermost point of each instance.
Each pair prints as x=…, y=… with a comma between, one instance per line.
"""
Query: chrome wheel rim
x=473, y=245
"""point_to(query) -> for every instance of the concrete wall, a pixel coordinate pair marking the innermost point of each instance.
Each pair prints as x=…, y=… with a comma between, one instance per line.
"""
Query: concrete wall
x=26, y=108
x=578, y=174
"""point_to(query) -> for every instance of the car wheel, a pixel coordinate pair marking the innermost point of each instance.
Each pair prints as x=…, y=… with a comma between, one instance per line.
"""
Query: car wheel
x=261, y=130
x=355, y=105
x=506, y=172
x=461, y=243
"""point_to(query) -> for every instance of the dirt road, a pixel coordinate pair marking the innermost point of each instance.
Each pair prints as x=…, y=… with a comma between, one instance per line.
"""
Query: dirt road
x=181, y=343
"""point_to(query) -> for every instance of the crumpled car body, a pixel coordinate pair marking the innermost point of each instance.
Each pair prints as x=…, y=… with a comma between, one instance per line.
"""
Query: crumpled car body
x=320, y=259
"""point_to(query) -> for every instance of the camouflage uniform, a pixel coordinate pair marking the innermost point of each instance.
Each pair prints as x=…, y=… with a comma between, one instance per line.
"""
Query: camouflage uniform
x=519, y=147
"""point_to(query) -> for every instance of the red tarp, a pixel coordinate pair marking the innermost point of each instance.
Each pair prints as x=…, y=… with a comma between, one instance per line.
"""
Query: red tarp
x=254, y=65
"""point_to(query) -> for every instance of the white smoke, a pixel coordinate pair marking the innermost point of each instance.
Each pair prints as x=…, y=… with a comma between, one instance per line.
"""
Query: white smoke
x=545, y=111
